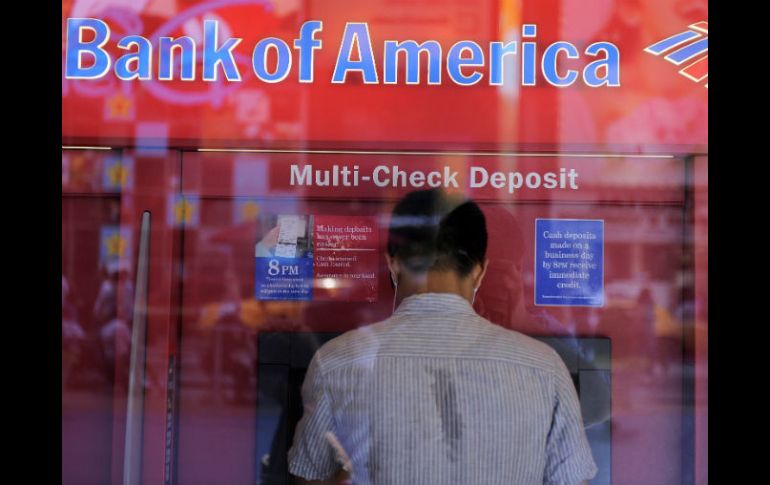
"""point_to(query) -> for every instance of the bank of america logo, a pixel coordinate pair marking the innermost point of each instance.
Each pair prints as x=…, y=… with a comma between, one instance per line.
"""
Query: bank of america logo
x=689, y=49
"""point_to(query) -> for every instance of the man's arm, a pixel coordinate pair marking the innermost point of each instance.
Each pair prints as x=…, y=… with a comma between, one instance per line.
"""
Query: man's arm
x=311, y=455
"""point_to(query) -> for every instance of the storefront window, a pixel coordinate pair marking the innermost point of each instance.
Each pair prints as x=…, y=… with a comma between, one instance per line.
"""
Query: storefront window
x=226, y=213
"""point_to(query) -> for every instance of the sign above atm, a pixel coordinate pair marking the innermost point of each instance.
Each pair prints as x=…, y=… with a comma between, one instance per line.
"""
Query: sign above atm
x=524, y=75
x=464, y=58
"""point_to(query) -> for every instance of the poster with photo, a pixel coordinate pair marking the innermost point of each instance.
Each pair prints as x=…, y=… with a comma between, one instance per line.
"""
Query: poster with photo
x=284, y=258
x=307, y=257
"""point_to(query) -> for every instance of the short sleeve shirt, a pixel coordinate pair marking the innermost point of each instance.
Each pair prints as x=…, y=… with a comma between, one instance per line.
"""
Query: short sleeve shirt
x=438, y=395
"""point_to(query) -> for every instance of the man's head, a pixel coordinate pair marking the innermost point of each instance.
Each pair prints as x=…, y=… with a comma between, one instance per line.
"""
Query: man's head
x=437, y=242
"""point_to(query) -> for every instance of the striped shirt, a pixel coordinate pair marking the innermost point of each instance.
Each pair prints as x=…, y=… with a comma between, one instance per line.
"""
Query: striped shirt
x=438, y=395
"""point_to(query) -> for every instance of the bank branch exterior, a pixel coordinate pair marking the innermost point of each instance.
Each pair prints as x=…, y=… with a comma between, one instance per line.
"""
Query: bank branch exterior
x=228, y=172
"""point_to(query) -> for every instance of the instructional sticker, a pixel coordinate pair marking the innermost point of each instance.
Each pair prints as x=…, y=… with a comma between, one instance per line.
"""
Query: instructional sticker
x=569, y=262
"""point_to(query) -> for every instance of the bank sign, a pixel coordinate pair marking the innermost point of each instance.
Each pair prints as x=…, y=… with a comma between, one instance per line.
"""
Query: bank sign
x=273, y=59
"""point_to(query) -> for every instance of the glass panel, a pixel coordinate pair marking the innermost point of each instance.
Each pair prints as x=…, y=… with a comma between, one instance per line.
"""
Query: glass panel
x=245, y=357
x=271, y=200
x=104, y=193
x=98, y=257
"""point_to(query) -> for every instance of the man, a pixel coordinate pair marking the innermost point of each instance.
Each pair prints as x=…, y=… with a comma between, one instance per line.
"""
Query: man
x=436, y=394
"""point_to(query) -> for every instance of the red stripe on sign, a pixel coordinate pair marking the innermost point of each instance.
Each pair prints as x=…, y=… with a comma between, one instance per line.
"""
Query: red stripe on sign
x=701, y=27
x=698, y=70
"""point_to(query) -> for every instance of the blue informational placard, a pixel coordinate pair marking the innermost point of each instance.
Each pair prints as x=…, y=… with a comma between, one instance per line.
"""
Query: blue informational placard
x=280, y=278
x=569, y=262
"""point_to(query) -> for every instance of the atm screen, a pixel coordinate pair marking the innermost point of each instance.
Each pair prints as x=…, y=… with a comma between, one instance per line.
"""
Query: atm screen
x=283, y=358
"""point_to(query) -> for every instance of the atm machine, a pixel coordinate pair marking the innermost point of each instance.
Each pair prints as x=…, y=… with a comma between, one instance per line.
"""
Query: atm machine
x=215, y=233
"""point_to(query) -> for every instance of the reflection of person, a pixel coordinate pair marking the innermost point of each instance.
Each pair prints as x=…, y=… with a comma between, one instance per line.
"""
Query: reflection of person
x=436, y=393
x=72, y=333
x=661, y=333
x=112, y=310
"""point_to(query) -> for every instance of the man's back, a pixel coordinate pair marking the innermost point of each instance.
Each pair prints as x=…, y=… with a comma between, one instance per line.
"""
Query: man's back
x=438, y=395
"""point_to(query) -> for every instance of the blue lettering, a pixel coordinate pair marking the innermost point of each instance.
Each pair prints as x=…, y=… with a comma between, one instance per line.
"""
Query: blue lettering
x=222, y=56
x=611, y=65
x=166, y=63
x=142, y=57
x=455, y=62
x=529, y=53
x=550, y=61
x=76, y=48
x=496, y=53
x=259, y=60
x=465, y=60
x=412, y=51
x=358, y=33
x=307, y=42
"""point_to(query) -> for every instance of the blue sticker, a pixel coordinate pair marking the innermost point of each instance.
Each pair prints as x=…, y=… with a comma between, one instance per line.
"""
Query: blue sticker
x=569, y=262
x=117, y=174
x=115, y=246
x=183, y=210
x=284, y=278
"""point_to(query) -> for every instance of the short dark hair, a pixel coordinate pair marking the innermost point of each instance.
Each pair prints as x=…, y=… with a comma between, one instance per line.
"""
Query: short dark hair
x=430, y=229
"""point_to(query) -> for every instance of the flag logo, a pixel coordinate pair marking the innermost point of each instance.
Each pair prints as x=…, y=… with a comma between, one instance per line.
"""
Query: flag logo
x=688, y=50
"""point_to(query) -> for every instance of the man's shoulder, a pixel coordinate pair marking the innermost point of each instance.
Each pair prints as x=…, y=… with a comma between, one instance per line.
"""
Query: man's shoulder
x=481, y=340
x=352, y=345
x=515, y=347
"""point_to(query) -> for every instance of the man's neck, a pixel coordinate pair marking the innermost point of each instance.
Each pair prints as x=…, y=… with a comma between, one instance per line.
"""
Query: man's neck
x=435, y=282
